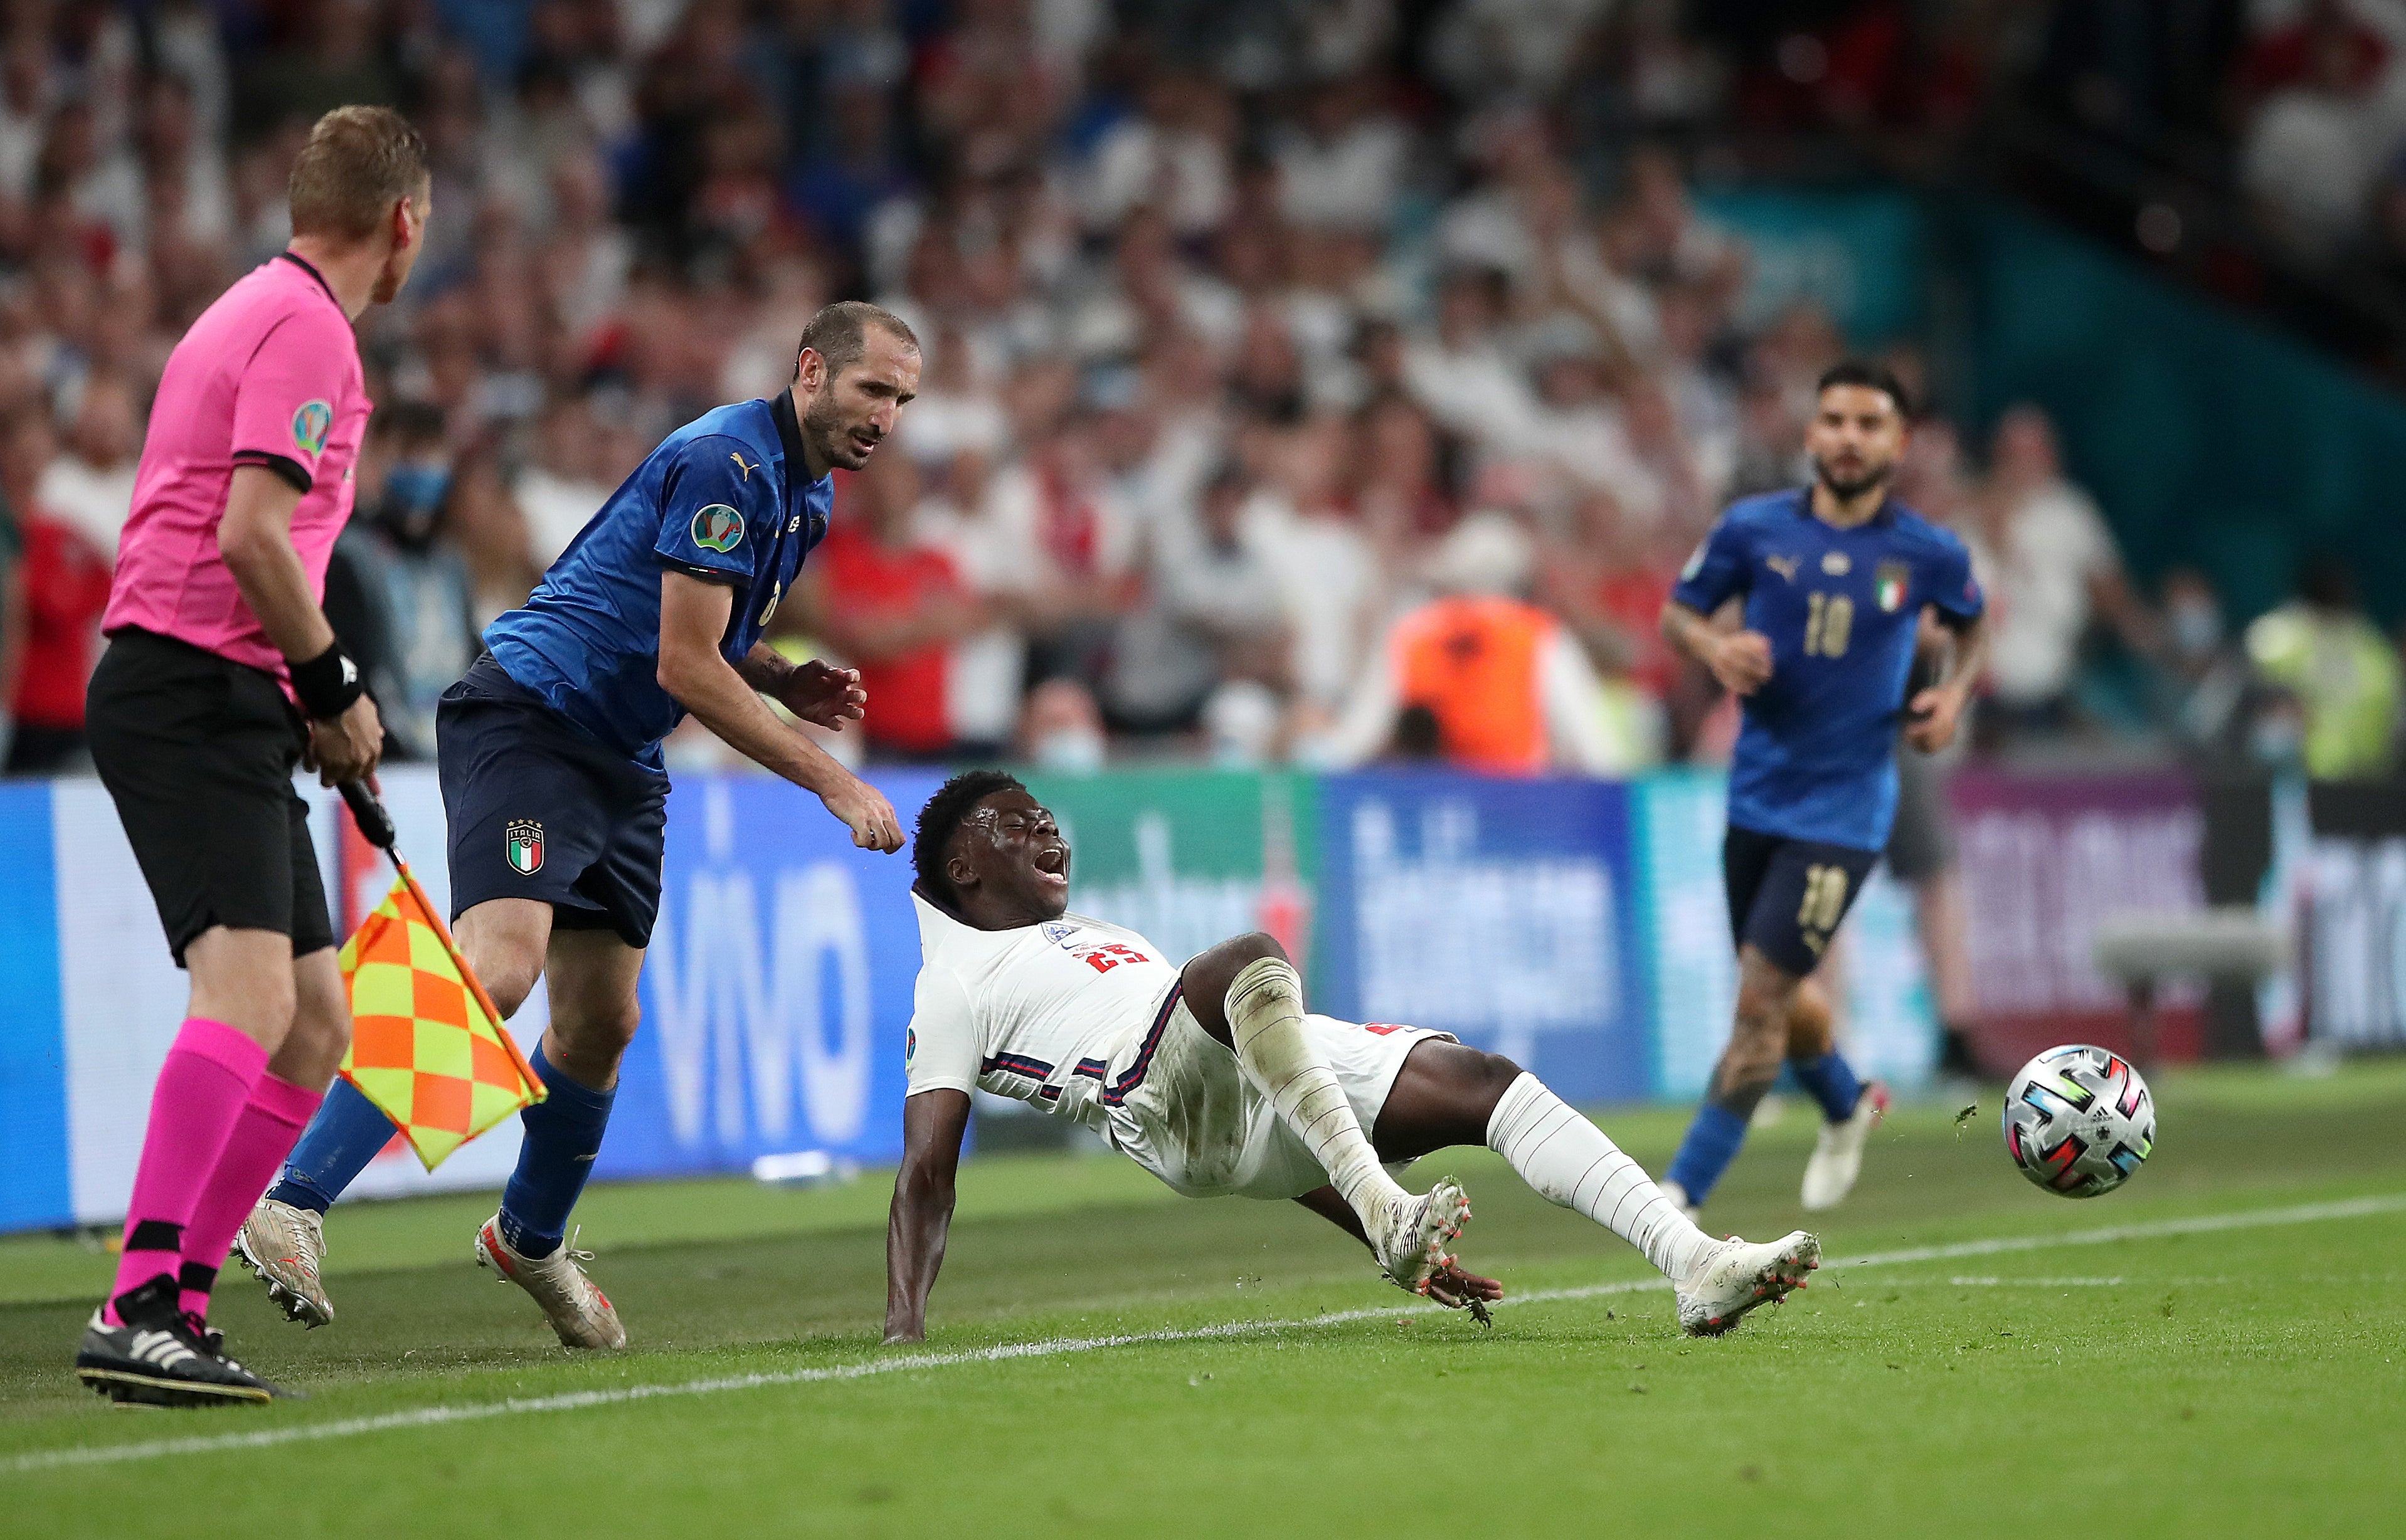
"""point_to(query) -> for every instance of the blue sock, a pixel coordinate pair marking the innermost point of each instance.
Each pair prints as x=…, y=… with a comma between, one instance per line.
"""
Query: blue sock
x=1829, y=1080
x=334, y=1150
x=563, y=1133
x=1711, y=1144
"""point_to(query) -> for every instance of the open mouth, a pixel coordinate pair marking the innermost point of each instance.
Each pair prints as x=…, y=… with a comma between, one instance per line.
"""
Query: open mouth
x=1053, y=861
x=864, y=442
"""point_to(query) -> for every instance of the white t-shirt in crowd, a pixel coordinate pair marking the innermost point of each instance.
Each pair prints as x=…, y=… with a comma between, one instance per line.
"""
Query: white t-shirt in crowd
x=556, y=510
x=1328, y=578
x=96, y=503
x=2055, y=542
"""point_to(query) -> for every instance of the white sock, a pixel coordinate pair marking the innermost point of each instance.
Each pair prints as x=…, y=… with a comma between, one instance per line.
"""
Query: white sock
x=1265, y=1008
x=1569, y=1161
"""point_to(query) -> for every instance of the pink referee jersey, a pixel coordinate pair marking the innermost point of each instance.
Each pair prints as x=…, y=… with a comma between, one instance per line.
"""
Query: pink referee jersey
x=269, y=375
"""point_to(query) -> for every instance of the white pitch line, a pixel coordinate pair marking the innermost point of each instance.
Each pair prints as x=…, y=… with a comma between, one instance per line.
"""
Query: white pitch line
x=427, y=1417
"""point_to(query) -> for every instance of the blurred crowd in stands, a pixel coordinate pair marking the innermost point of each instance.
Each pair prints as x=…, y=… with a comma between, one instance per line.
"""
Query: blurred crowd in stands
x=1317, y=381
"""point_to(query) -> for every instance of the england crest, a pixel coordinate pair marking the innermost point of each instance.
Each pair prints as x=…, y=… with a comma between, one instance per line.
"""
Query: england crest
x=1889, y=585
x=523, y=843
x=1057, y=932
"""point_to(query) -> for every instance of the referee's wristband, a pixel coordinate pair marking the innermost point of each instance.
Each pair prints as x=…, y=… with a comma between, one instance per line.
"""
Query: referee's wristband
x=327, y=684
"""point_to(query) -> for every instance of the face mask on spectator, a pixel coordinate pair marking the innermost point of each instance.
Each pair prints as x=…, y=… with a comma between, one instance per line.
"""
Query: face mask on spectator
x=1070, y=749
x=2195, y=627
x=413, y=502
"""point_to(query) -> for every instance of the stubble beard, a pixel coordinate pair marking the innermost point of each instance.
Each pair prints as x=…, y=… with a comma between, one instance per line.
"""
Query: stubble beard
x=824, y=427
x=1847, y=491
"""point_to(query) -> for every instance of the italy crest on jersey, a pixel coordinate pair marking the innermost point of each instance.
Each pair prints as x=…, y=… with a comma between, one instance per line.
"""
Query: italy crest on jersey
x=523, y=844
x=718, y=528
x=1889, y=585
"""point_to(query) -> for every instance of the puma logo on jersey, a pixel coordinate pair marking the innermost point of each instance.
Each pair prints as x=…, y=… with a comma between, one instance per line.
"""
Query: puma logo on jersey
x=1784, y=565
x=747, y=470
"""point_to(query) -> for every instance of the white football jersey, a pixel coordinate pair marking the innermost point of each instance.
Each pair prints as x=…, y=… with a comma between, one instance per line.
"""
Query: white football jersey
x=1062, y=1014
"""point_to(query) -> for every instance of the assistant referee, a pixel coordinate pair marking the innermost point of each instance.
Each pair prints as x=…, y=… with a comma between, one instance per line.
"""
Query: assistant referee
x=221, y=675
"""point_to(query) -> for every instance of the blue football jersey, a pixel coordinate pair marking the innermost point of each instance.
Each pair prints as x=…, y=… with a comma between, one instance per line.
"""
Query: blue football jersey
x=1817, y=757
x=723, y=498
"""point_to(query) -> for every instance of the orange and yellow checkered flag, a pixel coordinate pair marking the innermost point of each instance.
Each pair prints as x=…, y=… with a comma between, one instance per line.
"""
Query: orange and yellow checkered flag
x=427, y=1046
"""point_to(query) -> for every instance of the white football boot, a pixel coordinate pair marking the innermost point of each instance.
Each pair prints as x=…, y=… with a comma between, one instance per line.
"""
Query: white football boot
x=287, y=1248
x=1410, y=1245
x=579, y=1312
x=1838, y=1153
x=1732, y=1276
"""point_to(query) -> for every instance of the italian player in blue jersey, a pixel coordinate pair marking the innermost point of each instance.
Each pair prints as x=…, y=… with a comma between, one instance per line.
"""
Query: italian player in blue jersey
x=556, y=794
x=1833, y=579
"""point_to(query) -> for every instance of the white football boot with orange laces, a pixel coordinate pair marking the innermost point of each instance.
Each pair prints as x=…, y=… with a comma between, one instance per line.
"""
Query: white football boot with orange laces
x=579, y=1312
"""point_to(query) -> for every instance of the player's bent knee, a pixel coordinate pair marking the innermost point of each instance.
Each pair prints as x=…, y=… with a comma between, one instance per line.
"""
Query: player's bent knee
x=599, y=1033
x=1240, y=951
x=1492, y=1074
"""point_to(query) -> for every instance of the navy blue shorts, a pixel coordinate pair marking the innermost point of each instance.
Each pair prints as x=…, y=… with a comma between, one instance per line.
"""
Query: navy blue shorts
x=1786, y=896
x=539, y=810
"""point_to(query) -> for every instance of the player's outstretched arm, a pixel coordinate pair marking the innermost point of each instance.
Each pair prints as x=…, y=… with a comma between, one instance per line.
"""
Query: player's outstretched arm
x=693, y=617
x=1450, y=1286
x=922, y=1216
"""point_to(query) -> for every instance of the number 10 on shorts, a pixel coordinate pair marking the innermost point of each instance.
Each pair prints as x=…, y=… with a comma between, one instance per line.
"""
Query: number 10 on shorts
x=1825, y=900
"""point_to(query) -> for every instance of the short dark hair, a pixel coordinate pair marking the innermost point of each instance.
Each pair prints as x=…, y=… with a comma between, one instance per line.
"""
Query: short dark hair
x=840, y=334
x=943, y=816
x=1871, y=377
x=358, y=163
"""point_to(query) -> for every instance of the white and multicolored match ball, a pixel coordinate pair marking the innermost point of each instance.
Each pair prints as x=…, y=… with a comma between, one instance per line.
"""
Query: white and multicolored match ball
x=2080, y=1120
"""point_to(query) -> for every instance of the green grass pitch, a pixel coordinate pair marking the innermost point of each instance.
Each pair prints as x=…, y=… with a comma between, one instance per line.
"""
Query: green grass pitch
x=2214, y=1351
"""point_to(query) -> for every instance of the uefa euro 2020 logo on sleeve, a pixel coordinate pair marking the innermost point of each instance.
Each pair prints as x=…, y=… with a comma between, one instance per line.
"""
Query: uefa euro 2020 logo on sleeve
x=312, y=420
x=718, y=528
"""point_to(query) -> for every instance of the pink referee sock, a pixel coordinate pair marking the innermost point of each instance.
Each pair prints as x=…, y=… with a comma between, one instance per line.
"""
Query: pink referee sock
x=201, y=1091
x=263, y=1135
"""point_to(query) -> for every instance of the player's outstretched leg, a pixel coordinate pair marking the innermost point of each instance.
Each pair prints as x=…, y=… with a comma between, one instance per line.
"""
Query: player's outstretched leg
x=1447, y=1094
x=1746, y=1070
x=1850, y=1108
x=593, y=1017
x=1245, y=993
x=283, y=1239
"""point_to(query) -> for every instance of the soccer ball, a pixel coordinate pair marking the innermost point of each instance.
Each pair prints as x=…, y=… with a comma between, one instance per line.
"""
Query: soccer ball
x=2079, y=1121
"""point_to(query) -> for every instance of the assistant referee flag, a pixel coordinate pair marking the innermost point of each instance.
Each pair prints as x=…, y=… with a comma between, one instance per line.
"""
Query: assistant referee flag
x=427, y=1046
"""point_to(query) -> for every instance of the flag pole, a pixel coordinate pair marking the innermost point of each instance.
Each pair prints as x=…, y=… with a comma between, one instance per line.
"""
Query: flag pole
x=376, y=829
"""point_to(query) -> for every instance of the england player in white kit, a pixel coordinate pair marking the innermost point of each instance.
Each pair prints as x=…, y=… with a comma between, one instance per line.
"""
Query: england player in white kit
x=1212, y=1077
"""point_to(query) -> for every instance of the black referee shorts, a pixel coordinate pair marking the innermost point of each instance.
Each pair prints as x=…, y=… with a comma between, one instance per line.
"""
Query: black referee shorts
x=198, y=754
x=1786, y=897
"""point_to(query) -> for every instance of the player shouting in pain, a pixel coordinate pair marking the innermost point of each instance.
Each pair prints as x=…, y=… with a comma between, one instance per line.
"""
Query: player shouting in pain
x=1212, y=1078
x=556, y=794
x=1834, y=578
